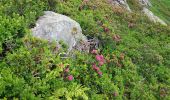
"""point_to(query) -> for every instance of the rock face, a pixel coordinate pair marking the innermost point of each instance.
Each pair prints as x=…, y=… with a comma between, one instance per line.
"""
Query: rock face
x=145, y=3
x=56, y=27
x=122, y=3
x=150, y=14
x=152, y=17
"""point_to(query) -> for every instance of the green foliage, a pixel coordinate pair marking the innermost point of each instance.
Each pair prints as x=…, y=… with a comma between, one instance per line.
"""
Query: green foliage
x=75, y=91
x=136, y=64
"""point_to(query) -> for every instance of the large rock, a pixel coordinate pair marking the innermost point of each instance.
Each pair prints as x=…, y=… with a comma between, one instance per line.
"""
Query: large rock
x=153, y=17
x=145, y=3
x=56, y=27
x=121, y=3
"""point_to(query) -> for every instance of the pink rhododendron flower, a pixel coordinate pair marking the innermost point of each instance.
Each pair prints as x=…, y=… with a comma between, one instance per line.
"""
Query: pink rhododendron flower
x=100, y=58
x=100, y=73
x=115, y=94
x=70, y=77
x=110, y=1
x=101, y=63
x=94, y=51
x=66, y=70
x=106, y=29
x=116, y=38
x=86, y=1
x=95, y=67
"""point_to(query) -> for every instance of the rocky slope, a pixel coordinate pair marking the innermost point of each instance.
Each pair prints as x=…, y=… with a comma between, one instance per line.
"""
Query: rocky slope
x=145, y=4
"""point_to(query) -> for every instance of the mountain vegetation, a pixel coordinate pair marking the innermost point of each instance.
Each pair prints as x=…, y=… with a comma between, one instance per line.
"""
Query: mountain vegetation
x=132, y=61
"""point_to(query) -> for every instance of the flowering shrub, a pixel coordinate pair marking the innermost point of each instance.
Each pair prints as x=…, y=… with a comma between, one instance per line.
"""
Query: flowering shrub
x=70, y=77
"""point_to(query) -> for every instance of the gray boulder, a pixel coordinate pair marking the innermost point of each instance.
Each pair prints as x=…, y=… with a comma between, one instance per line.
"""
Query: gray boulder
x=56, y=27
x=121, y=3
x=153, y=17
x=145, y=3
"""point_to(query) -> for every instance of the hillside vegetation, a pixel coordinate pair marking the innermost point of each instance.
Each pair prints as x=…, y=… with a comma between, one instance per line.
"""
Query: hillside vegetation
x=135, y=53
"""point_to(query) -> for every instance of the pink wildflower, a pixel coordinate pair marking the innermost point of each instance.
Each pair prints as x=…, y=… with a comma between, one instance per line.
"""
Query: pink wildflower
x=116, y=38
x=100, y=58
x=115, y=94
x=66, y=70
x=100, y=73
x=106, y=29
x=85, y=1
x=101, y=63
x=95, y=67
x=94, y=51
x=110, y=1
x=70, y=77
